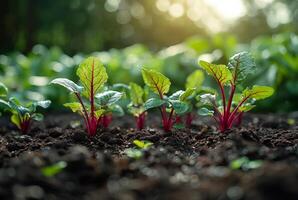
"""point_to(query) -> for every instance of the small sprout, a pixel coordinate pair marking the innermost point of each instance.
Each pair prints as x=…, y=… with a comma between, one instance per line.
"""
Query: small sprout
x=54, y=169
x=92, y=76
x=291, y=121
x=134, y=153
x=160, y=85
x=138, y=96
x=245, y=164
x=22, y=114
x=231, y=108
x=142, y=144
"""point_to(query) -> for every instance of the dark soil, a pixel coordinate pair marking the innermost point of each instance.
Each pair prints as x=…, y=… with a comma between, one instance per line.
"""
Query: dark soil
x=184, y=164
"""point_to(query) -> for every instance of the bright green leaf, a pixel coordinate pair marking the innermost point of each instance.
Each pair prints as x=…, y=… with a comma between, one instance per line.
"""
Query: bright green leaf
x=246, y=107
x=54, y=169
x=220, y=72
x=136, y=94
x=74, y=106
x=186, y=94
x=92, y=75
x=258, y=92
x=157, y=82
x=142, y=144
x=15, y=120
x=195, y=80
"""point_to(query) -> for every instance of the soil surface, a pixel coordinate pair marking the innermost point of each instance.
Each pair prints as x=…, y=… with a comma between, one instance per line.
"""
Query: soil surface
x=57, y=160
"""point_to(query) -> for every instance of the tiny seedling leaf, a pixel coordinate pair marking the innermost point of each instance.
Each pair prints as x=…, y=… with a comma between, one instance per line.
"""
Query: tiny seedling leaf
x=54, y=169
x=142, y=144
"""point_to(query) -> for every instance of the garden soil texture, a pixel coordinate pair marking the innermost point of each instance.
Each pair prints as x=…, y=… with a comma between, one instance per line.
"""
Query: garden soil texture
x=256, y=161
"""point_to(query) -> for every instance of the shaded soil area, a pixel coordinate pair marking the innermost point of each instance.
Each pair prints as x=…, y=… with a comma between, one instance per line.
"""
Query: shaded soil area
x=256, y=161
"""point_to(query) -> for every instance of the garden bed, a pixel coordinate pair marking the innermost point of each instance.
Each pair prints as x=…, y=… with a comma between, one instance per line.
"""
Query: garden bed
x=256, y=161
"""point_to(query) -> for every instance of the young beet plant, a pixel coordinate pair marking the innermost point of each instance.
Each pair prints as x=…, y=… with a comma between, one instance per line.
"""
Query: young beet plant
x=22, y=115
x=192, y=86
x=99, y=106
x=233, y=104
x=137, y=95
x=168, y=106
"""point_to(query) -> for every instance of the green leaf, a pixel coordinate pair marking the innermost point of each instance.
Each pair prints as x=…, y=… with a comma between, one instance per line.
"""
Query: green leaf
x=241, y=65
x=135, y=110
x=153, y=103
x=117, y=110
x=4, y=105
x=37, y=116
x=133, y=153
x=54, y=169
x=179, y=106
x=206, y=99
x=157, y=82
x=136, y=94
x=220, y=72
x=15, y=105
x=3, y=90
x=205, y=112
x=74, y=106
x=43, y=104
x=15, y=120
x=186, y=94
x=142, y=144
x=99, y=113
x=195, y=80
x=246, y=107
x=176, y=95
x=92, y=75
x=258, y=92
x=68, y=84
x=108, y=98
x=245, y=164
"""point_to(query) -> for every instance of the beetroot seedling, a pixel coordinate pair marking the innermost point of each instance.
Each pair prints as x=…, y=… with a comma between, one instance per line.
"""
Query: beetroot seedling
x=137, y=95
x=22, y=115
x=169, y=107
x=97, y=108
x=232, y=106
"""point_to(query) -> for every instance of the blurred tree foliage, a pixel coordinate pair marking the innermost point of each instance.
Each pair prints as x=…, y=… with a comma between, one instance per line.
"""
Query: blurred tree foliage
x=95, y=25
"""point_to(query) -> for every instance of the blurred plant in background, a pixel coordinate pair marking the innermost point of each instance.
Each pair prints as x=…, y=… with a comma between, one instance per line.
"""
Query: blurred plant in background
x=277, y=60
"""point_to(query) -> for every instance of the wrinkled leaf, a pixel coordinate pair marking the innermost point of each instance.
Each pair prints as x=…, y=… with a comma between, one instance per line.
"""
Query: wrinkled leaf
x=117, y=110
x=220, y=72
x=205, y=112
x=92, y=75
x=156, y=81
x=108, y=98
x=241, y=65
x=68, y=84
x=153, y=103
x=179, y=106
